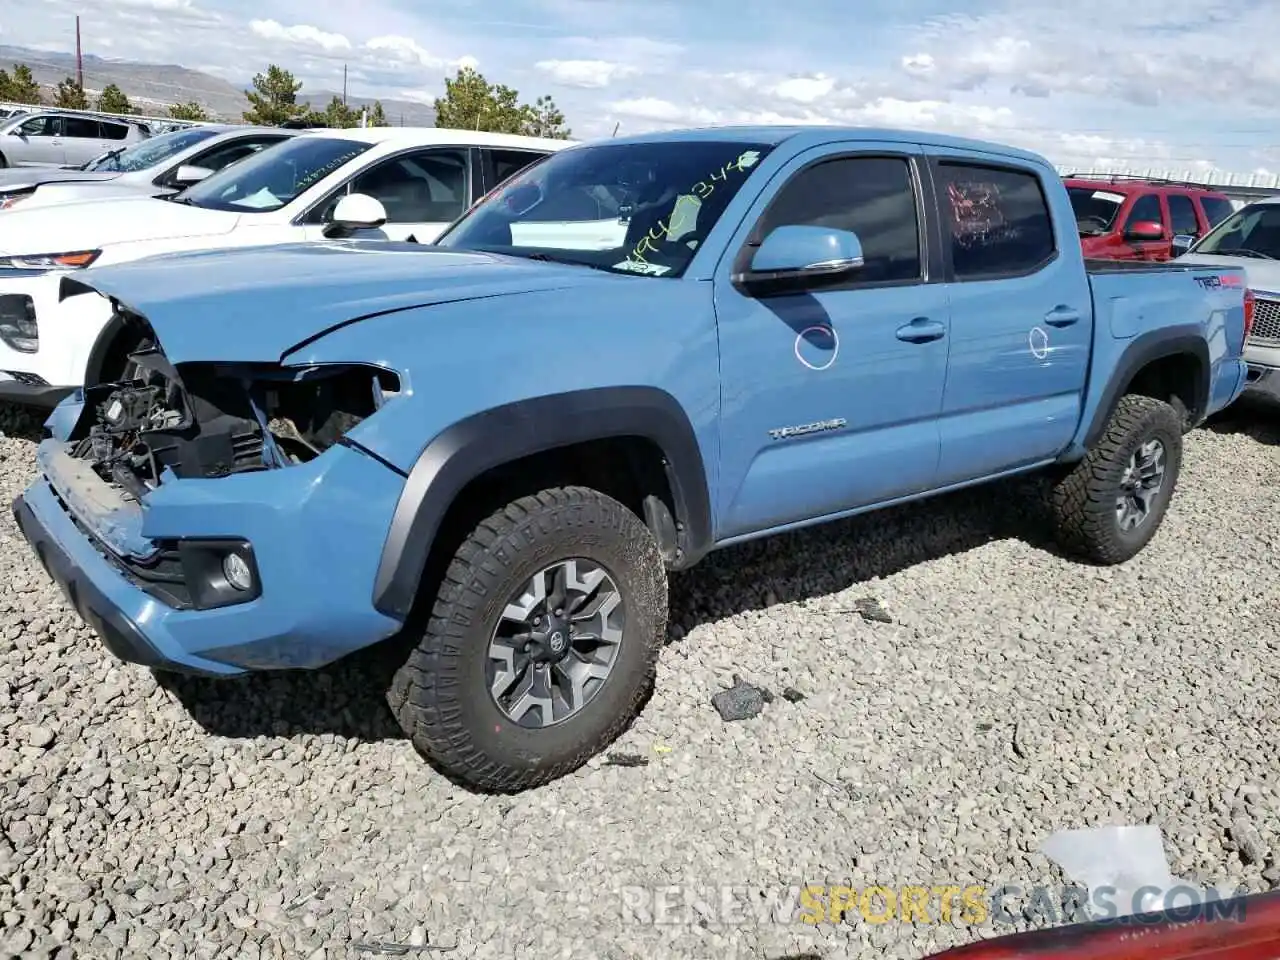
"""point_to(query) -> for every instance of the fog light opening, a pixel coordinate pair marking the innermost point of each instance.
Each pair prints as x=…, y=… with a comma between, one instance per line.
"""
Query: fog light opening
x=237, y=572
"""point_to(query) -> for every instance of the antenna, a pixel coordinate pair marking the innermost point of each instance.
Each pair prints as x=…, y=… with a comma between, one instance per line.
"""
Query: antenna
x=79, y=58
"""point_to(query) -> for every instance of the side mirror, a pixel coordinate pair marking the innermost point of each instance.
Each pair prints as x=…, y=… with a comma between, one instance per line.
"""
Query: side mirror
x=1182, y=243
x=354, y=212
x=795, y=257
x=1144, y=231
x=187, y=174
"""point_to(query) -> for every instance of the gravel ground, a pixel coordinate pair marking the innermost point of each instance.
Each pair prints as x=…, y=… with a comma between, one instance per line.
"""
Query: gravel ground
x=1015, y=693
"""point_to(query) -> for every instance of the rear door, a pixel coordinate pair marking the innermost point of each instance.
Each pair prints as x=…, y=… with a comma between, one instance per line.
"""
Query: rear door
x=83, y=139
x=1021, y=317
x=1184, y=221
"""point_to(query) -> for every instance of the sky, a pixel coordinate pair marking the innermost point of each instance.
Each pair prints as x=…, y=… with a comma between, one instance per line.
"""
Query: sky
x=1186, y=85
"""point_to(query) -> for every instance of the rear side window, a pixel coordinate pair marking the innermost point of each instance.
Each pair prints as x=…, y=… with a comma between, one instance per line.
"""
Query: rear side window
x=80, y=129
x=114, y=131
x=873, y=197
x=1182, y=216
x=997, y=221
x=1216, y=209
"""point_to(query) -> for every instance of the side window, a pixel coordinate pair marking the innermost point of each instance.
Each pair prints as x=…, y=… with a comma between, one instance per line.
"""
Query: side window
x=114, y=131
x=430, y=186
x=1216, y=209
x=79, y=128
x=507, y=163
x=229, y=153
x=1182, y=216
x=40, y=127
x=997, y=220
x=872, y=196
x=1145, y=208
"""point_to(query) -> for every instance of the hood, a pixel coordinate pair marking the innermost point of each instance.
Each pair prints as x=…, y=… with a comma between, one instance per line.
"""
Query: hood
x=17, y=178
x=1260, y=275
x=78, y=191
x=92, y=224
x=258, y=304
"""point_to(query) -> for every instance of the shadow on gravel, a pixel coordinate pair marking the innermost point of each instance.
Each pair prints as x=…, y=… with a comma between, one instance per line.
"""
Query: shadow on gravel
x=22, y=423
x=345, y=699
x=1256, y=417
x=827, y=559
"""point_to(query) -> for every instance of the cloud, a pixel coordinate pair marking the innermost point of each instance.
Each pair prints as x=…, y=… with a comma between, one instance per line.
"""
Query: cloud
x=302, y=34
x=587, y=74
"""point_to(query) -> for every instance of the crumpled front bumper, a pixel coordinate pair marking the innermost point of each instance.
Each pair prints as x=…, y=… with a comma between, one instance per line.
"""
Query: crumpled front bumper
x=316, y=529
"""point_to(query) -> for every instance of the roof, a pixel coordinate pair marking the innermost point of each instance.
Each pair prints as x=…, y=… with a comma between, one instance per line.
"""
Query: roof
x=431, y=135
x=818, y=134
x=1124, y=184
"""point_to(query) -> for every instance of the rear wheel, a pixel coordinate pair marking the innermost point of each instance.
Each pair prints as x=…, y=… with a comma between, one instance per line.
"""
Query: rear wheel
x=1111, y=504
x=541, y=644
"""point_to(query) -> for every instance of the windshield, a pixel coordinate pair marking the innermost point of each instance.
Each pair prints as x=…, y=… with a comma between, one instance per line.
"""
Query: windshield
x=1251, y=232
x=150, y=152
x=626, y=207
x=1095, y=210
x=270, y=179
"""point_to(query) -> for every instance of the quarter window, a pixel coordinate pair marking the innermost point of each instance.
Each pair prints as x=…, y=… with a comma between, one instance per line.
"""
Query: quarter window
x=114, y=131
x=996, y=220
x=1216, y=209
x=873, y=197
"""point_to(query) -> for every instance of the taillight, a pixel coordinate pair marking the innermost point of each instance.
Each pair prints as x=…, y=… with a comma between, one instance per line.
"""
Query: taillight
x=1248, y=313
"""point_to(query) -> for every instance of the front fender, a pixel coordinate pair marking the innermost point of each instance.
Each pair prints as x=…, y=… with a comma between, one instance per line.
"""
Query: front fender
x=502, y=434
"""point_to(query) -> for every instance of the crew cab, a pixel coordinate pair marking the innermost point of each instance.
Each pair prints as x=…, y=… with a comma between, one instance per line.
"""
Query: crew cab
x=158, y=166
x=1250, y=240
x=494, y=449
x=397, y=183
x=1123, y=218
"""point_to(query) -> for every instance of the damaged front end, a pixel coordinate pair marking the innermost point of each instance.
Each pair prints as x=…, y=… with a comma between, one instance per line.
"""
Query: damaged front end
x=217, y=419
x=198, y=420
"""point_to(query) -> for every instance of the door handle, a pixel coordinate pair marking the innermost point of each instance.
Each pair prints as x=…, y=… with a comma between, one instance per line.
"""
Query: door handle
x=921, y=330
x=1062, y=317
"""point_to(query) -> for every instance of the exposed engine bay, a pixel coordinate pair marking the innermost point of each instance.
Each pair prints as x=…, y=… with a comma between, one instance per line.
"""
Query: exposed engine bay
x=218, y=419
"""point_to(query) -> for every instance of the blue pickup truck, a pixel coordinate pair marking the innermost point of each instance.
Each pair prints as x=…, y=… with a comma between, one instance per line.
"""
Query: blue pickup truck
x=634, y=352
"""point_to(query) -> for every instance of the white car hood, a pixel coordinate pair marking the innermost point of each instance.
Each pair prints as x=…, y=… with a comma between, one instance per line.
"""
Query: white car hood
x=51, y=193
x=92, y=224
x=1260, y=275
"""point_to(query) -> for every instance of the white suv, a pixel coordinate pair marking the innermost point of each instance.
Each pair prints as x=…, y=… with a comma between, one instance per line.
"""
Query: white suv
x=388, y=183
x=57, y=138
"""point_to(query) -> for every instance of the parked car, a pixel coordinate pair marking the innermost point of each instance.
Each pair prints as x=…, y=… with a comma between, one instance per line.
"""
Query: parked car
x=496, y=449
x=57, y=138
x=383, y=182
x=1120, y=218
x=155, y=167
x=1250, y=239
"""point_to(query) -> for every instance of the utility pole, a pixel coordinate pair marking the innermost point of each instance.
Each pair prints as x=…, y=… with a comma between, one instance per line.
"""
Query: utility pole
x=79, y=58
x=344, y=84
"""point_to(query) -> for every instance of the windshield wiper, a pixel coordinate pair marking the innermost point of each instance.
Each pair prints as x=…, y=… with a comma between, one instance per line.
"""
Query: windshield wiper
x=1242, y=252
x=109, y=155
x=548, y=258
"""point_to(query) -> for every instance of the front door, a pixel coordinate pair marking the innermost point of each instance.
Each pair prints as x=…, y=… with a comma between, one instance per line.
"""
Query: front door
x=1147, y=208
x=39, y=143
x=830, y=399
x=423, y=191
x=1021, y=319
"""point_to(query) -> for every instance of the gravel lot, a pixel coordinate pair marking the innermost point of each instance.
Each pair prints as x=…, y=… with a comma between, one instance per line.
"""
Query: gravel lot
x=1014, y=694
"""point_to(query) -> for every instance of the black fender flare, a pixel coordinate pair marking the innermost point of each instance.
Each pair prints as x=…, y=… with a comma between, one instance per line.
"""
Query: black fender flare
x=483, y=441
x=1145, y=349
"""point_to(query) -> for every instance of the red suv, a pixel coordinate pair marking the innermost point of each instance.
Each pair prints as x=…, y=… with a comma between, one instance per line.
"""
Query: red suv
x=1126, y=218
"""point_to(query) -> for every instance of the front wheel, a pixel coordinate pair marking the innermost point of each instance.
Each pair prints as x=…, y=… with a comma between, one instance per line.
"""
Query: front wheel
x=541, y=644
x=1111, y=504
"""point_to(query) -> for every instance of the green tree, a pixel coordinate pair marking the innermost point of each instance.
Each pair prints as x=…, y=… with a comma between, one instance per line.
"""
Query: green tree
x=19, y=88
x=188, y=111
x=471, y=102
x=377, y=116
x=274, y=98
x=70, y=96
x=113, y=100
x=544, y=119
x=338, y=115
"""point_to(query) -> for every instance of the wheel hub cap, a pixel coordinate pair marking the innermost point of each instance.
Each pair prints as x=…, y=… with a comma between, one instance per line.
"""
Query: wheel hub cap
x=556, y=643
x=1141, y=482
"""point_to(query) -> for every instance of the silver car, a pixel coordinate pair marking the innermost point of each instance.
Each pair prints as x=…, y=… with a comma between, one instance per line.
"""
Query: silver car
x=58, y=138
x=161, y=165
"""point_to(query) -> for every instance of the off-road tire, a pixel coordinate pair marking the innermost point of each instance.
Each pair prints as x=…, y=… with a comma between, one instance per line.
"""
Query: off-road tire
x=439, y=695
x=1084, y=501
